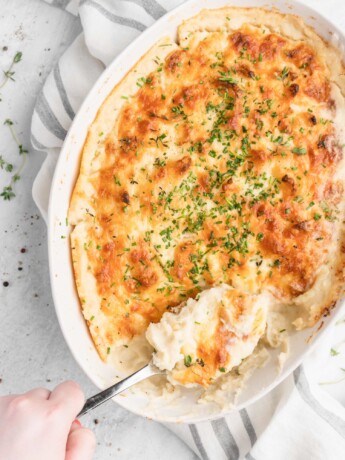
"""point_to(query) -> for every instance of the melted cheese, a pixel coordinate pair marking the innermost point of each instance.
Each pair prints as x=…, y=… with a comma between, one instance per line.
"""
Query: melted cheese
x=209, y=336
x=214, y=161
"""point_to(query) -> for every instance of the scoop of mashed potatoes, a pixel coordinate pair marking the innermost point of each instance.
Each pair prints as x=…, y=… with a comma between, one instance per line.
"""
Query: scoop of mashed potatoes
x=209, y=335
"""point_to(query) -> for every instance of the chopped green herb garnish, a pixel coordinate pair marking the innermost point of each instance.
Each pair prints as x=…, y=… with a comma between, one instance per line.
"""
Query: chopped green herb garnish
x=143, y=81
x=284, y=74
x=260, y=236
x=117, y=181
x=227, y=77
x=299, y=150
x=187, y=360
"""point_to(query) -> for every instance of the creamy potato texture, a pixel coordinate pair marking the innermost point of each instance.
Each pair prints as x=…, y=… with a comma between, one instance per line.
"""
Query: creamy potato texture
x=209, y=336
x=217, y=160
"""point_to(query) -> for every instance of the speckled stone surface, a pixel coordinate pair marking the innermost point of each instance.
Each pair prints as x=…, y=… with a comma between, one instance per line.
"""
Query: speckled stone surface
x=32, y=349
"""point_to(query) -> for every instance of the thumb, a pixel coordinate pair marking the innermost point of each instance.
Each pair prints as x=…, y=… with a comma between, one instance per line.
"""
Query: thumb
x=81, y=443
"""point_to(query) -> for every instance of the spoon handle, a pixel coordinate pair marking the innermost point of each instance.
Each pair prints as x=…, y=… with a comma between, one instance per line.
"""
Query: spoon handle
x=105, y=395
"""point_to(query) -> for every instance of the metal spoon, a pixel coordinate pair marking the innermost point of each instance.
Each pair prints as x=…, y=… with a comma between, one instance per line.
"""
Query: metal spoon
x=98, y=399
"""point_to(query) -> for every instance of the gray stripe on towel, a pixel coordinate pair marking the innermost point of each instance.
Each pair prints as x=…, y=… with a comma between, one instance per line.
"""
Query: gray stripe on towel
x=154, y=8
x=303, y=387
x=151, y=7
x=62, y=92
x=60, y=3
x=248, y=426
x=113, y=17
x=198, y=442
x=48, y=118
x=226, y=439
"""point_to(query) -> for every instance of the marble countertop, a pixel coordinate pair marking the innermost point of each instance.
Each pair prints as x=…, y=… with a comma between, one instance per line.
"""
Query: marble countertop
x=32, y=349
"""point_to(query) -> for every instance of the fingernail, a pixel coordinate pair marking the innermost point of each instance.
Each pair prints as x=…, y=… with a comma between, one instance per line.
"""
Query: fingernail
x=77, y=422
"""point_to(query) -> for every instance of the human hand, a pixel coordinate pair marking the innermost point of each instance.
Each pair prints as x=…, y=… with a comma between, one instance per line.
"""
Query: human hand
x=41, y=424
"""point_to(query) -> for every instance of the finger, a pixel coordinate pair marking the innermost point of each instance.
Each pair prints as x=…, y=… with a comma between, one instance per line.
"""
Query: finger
x=75, y=425
x=39, y=393
x=69, y=396
x=4, y=400
x=81, y=444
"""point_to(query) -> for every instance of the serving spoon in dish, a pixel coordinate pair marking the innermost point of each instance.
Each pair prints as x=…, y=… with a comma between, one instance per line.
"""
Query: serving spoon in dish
x=176, y=338
x=94, y=401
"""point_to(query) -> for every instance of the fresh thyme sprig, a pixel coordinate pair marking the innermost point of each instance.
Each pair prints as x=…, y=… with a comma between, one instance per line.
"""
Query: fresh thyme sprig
x=8, y=167
x=9, y=73
x=7, y=191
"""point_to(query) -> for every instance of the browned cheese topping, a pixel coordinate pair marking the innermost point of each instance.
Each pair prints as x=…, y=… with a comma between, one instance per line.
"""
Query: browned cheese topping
x=218, y=170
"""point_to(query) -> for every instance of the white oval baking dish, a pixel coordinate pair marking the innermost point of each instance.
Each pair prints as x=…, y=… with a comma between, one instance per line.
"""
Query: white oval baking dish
x=62, y=280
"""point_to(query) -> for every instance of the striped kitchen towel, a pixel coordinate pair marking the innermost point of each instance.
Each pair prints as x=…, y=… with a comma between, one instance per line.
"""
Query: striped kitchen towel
x=297, y=420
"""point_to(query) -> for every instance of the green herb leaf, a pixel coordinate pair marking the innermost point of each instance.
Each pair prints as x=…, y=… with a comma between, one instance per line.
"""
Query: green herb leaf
x=187, y=360
x=227, y=77
x=9, y=72
x=117, y=181
x=299, y=150
x=22, y=150
x=18, y=57
x=284, y=74
x=143, y=81
x=334, y=352
x=7, y=193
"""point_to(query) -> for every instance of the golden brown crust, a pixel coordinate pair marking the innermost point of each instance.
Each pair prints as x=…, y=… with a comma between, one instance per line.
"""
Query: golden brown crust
x=94, y=155
x=215, y=351
x=219, y=169
x=288, y=26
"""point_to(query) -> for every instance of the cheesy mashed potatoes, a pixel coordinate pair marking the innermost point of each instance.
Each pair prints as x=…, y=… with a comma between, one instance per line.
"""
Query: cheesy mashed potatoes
x=217, y=160
x=209, y=336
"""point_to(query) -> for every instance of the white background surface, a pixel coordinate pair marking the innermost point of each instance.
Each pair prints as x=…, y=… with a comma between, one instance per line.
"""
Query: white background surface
x=32, y=349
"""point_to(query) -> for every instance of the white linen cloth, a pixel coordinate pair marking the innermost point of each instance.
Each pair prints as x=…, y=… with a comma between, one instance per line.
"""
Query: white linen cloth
x=297, y=420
